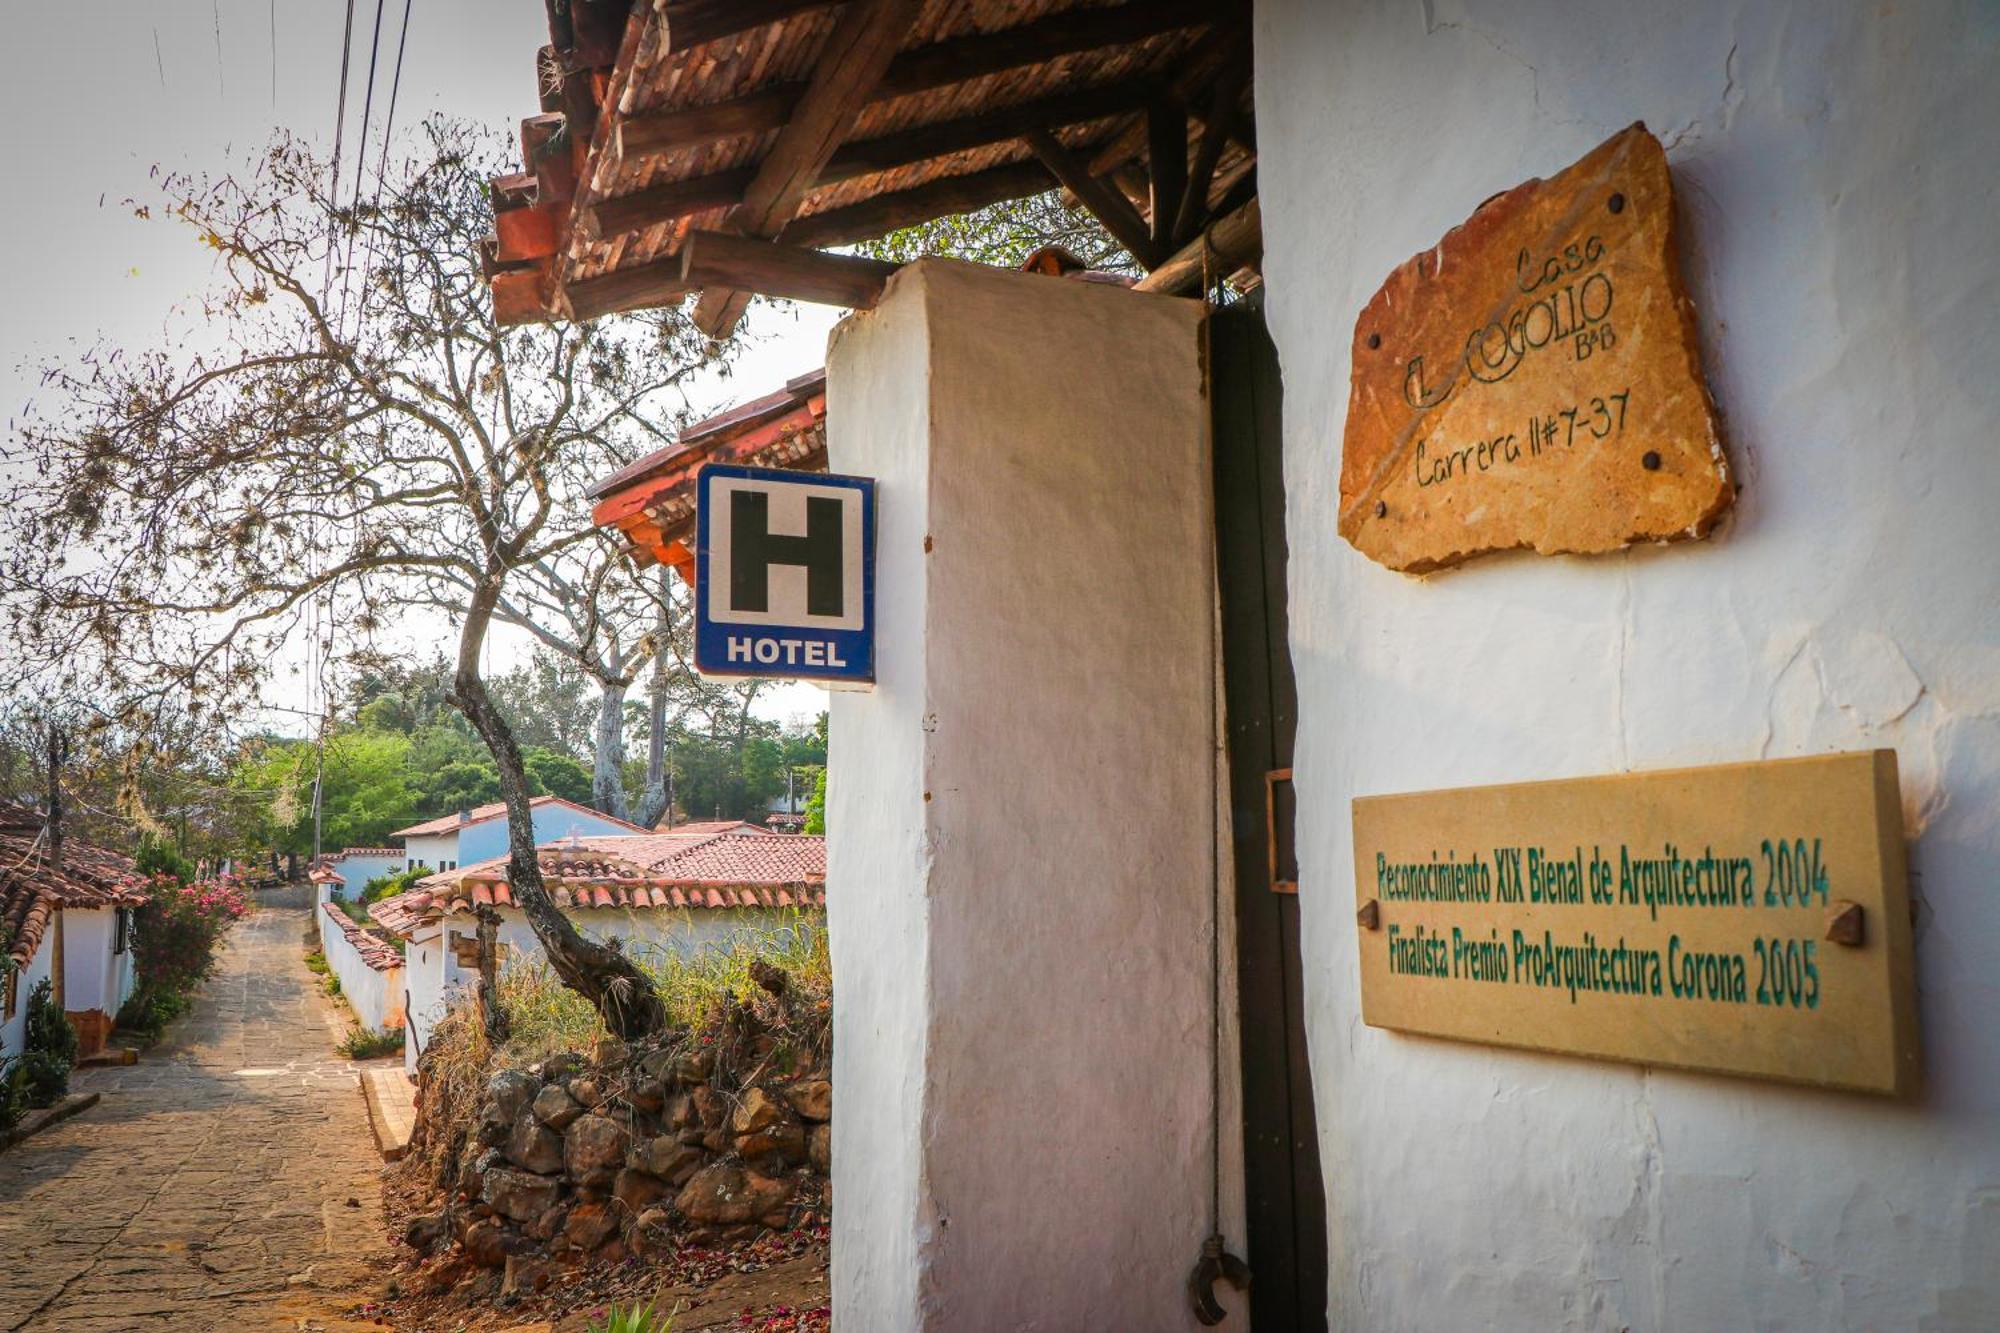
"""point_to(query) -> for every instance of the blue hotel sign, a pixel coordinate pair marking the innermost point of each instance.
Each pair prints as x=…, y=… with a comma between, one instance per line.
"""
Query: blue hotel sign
x=784, y=575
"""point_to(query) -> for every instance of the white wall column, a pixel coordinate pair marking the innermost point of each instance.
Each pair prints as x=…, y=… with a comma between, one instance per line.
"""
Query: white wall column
x=1020, y=865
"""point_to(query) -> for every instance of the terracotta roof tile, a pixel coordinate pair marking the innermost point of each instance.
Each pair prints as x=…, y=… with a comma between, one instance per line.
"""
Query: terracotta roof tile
x=659, y=870
x=31, y=890
x=374, y=951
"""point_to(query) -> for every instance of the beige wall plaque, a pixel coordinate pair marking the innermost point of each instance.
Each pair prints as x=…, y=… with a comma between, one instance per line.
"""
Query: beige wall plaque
x=1742, y=919
x=1534, y=381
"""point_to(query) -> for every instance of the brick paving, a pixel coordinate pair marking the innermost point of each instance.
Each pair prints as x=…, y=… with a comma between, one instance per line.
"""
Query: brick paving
x=228, y=1180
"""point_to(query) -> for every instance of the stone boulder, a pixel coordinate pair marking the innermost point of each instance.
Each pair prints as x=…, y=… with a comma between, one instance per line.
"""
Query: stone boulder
x=533, y=1146
x=819, y=1148
x=636, y=1191
x=665, y=1157
x=507, y=1092
x=594, y=1143
x=811, y=1098
x=556, y=1108
x=521, y=1195
x=721, y=1195
x=589, y=1225
x=486, y=1243
x=764, y=1124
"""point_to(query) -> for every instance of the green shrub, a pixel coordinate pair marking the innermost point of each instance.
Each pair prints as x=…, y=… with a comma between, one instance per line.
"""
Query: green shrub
x=316, y=963
x=361, y=1044
x=48, y=1048
x=638, y=1319
x=388, y=886
x=332, y=984
x=13, y=1093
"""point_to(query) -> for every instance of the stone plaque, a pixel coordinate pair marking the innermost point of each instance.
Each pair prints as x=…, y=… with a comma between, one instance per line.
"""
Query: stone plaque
x=1533, y=380
x=1744, y=919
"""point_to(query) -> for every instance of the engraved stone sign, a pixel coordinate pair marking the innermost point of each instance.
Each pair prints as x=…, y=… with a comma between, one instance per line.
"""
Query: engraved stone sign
x=1741, y=919
x=1534, y=381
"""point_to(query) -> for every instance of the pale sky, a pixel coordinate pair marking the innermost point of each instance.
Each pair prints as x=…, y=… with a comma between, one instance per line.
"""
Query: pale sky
x=101, y=93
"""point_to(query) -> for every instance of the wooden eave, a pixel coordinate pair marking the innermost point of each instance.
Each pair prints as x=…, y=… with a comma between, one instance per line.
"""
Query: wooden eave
x=651, y=504
x=720, y=145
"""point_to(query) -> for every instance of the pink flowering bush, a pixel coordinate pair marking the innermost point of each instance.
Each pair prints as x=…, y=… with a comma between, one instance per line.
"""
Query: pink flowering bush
x=173, y=946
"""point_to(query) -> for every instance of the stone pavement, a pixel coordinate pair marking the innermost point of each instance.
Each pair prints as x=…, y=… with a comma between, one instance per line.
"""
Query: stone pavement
x=228, y=1180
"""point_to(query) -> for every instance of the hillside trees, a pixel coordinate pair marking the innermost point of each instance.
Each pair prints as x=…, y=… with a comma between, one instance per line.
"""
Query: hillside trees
x=352, y=435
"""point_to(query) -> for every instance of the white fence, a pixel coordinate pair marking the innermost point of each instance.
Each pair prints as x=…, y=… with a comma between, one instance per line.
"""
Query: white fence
x=370, y=972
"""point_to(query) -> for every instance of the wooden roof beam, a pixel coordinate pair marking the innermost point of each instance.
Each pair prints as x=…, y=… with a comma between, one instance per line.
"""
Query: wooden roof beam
x=693, y=22
x=935, y=66
x=664, y=203
x=1225, y=100
x=641, y=287
x=1232, y=241
x=851, y=64
x=717, y=261
x=1103, y=200
x=885, y=213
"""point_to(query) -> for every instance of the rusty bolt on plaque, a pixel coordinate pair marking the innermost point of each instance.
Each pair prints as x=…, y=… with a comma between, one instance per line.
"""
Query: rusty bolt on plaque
x=1846, y=923
x=1370, y=915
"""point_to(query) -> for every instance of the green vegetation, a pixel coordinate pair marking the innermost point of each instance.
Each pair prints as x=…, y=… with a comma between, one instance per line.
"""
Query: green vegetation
x=638, y=1319
x=48, y=1049
x=816, y=805
x=544, y=1016
x=361, y=1044
x=316, y=963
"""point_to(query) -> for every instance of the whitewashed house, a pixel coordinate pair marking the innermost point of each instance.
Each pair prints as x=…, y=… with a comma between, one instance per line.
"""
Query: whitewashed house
x=676, y=892
x=72, y=925
x=479, y=834
x=355, y=866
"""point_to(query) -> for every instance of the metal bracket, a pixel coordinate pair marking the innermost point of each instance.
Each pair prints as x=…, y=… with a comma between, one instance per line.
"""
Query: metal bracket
x=1216, y=1262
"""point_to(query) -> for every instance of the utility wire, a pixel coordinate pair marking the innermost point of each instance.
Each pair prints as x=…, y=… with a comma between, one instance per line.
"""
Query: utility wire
x=339, y=131
x=360, y=165
x=382, y=163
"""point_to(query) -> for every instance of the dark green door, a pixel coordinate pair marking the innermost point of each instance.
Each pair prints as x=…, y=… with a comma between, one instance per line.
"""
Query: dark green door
x=1287, y=1208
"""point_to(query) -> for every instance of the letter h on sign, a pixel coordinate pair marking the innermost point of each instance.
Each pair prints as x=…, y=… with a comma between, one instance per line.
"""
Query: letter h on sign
x=785, y=574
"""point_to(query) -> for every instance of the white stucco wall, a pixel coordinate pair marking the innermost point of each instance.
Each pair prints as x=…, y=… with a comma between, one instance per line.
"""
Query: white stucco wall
x=1837, y=165
x=93, y=976
x=1022, y=1004
x=38, y=967
x=373, y=995
x=433, y=850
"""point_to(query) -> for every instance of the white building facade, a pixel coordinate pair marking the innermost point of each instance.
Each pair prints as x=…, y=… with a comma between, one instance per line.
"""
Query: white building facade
x=453, y=842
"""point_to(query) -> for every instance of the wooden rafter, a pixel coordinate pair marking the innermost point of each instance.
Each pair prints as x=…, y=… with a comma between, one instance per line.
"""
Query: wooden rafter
x=885, y=213
x=1225, y=100
x=936, y=66
x=857, y=53
x=716, y=261
x=692, y=22
x=1167, y=166
x=1105, y=202
x=677, y=199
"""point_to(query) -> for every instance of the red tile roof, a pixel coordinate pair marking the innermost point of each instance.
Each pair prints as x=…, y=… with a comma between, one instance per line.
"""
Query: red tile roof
x=369, y=851
x=374, y=951
x=31, y=890
x=656, y=870
x=497, y=810
x=705, y=826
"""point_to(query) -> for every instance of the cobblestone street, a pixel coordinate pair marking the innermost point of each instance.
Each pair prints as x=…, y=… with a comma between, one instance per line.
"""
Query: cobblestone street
x=228, y=1180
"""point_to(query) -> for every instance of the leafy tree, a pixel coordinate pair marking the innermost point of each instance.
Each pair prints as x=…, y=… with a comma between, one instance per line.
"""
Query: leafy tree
x=361, y=439
x=557, y=775
x=547, y=700
x=816, y=805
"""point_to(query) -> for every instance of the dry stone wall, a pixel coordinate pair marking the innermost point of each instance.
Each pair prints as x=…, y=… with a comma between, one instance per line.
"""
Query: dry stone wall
x=628, y=1152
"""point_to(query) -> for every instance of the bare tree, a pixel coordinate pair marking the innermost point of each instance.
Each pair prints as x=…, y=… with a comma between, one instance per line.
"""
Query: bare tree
x=353, y=435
